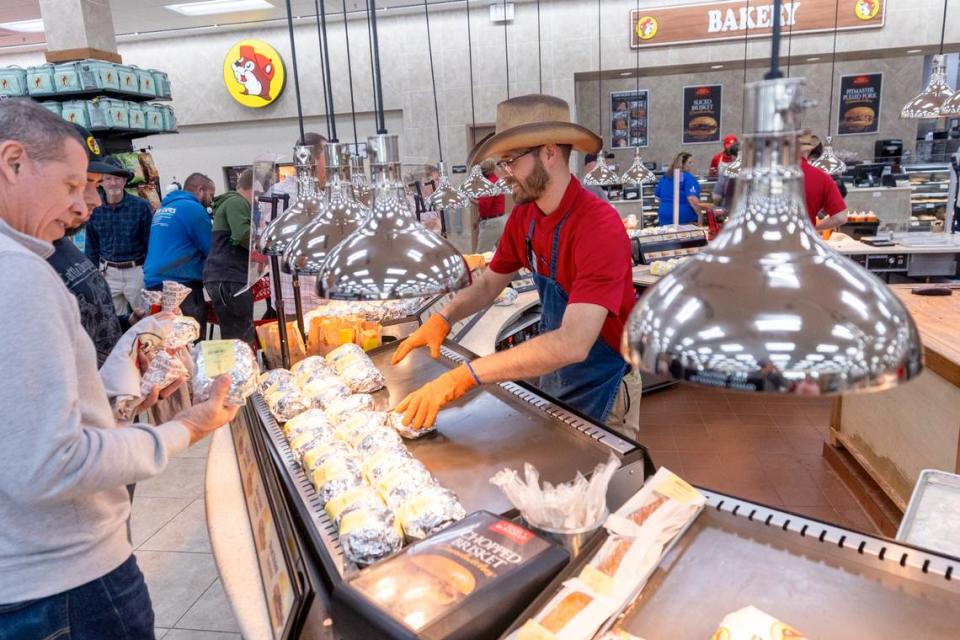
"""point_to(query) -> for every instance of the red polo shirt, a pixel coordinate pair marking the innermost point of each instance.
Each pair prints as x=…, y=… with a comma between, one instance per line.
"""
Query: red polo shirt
x=822, y=193
x=594, y=263
x=491, y=206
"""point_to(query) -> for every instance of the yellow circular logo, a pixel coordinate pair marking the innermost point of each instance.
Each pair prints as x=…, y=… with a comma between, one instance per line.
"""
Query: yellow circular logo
x=254, y=73
x=867, y=9
x=93, y=146
x=647, y=27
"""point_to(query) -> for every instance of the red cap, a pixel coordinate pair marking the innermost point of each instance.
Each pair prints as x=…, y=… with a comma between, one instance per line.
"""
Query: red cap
x=729, y=141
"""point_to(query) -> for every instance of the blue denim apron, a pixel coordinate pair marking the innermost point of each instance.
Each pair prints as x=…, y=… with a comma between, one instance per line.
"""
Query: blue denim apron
x=590, y=386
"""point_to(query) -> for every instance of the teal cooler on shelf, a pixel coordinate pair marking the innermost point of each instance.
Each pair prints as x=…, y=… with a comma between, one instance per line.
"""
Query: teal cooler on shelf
x=169, y=118
x=109, y=79
x=40, y=81
x=162, y=82
x=116, y=113
x=13, y=82
x=136, y=117
x=145, y=82
x=53, y=107
x=98, y=120
x=153, y=117
x=75, y=111
x=128, y=79
x=67, y=78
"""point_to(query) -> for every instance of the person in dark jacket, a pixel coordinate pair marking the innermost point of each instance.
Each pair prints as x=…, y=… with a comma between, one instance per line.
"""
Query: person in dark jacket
x=180, y=241
x=225, y=273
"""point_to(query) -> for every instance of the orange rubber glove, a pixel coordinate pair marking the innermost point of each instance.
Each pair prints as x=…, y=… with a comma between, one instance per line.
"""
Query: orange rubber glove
x=474, y=261
x=420, y=408
x=431, y=333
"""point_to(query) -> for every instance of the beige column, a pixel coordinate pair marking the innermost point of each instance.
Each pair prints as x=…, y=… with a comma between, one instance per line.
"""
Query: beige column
x=78, y=29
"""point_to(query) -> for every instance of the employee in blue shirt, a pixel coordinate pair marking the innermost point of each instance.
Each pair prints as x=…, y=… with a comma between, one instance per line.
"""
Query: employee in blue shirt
x=180, y=242
x=690, y=206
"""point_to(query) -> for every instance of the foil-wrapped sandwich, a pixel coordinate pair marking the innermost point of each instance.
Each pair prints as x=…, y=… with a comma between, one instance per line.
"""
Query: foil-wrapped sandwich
x=320, y=452
x=303, y=442
x=355, y=427
x=184, y=330
x=362, y=376
x=323, y=388
x=173, y=295
x=375, y=439
x=163, y=370
x=309, y=420
x=360, y=498
x=428, y=511
x=271, y=378
x=286, y=402
x=395, y=420
x=383, y=461
x=336, y=475
x=343, y=353
x=403, y=482
x=340, y=410
x=367, y=535
x=308, y=366
x=215, y=357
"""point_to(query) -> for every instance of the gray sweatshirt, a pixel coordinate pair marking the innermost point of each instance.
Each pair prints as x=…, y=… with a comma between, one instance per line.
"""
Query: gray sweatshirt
x=64, y=462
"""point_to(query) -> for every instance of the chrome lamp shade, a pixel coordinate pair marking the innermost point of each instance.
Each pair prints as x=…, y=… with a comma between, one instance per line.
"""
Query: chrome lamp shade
x=928, y=103
x=732, y=169
x=768, y=306
x=601, y=175
x=446, y=196
x=638, y=174
x=477, y=186
x=308, y=205
x=828, y=160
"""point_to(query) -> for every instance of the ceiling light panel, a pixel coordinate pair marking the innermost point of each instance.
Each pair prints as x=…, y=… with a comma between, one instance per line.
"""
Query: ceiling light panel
x=24, y=26
x=211, y=7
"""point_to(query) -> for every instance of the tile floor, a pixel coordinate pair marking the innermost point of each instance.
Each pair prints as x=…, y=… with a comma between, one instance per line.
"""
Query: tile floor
x=766, y=449
x=170, y=537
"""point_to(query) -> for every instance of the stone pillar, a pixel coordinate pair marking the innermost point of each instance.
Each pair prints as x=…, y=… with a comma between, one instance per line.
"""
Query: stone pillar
x=78, y=29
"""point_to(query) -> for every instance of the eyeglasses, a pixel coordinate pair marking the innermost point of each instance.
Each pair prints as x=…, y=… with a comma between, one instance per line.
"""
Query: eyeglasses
x=507, y=165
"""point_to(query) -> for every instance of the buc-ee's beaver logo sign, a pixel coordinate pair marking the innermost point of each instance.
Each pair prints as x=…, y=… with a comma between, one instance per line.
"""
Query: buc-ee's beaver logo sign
x=867, y=9
x=253, y=73
x=647, y=27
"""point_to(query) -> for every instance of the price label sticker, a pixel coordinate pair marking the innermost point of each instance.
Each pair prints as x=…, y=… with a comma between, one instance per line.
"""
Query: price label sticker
x=678, y=489
x=218, y=357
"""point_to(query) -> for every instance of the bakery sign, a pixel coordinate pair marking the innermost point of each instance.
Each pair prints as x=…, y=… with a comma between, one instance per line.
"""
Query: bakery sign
x=253, y=73
x=738, y=19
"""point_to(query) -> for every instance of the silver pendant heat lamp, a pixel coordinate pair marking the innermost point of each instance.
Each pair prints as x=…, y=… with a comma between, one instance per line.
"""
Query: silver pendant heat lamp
x=390, y=255
x=340, y=217
x=768, y=306
x=308, y=205
x=927, y=103
x=446, y=196
x=638, y=174
x=733, y=169
x=601, y=175
x=828, y=160
x=477, y=186
x=951, y=107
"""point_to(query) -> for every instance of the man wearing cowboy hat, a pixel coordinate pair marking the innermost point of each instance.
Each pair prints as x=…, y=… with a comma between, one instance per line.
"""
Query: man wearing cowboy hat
x=578, y=250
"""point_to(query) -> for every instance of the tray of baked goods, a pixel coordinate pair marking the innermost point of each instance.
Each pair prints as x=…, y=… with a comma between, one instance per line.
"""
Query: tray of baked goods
x=366, y=486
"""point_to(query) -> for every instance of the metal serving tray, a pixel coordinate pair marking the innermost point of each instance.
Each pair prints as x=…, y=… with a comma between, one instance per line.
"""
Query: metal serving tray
x=495, y=427
x=932, y=519
x=827, y=581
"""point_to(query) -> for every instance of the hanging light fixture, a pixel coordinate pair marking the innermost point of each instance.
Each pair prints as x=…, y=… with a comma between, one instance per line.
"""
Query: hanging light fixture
x=638, y=174
x=768, y=306
x=340, y=217
x=937, y=93
x=828, y=160
x=600, y=175
x=732, y=169
x=390, y=255
x=476, y=185
x=444, y=196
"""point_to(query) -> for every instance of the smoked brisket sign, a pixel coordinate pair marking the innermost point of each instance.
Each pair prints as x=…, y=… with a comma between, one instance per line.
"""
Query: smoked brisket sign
x=738, y=19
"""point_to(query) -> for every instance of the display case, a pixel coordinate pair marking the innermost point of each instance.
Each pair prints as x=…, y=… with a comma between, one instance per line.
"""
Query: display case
x=663, y=243
x=929, y=184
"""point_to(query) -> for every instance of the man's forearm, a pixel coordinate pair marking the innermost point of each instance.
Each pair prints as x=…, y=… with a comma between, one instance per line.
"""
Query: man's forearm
x=832, y=222
x=477, y=296
x=541, y=355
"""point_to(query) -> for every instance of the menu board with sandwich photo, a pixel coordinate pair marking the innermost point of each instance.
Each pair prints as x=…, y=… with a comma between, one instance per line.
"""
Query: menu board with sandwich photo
x=702, y=105
x=628, y=118
x=859, y=110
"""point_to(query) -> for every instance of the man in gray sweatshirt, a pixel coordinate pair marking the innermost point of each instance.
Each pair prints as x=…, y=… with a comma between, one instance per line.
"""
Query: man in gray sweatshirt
x=66, y=566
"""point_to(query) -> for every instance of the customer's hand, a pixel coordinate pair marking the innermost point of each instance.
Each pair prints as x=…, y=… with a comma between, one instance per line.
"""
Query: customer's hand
x=157, y=394
x=430, y=334
x=208, y=416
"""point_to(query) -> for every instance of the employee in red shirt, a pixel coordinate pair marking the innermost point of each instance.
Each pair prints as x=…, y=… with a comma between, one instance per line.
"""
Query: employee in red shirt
x=578, y=250
x=492, y=211
x=822, y=194
x=724, y=157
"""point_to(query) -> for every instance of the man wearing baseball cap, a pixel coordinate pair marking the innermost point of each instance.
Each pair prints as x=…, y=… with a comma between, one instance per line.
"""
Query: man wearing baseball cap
x=81, y=276
x=724, y=157
x=578, y=250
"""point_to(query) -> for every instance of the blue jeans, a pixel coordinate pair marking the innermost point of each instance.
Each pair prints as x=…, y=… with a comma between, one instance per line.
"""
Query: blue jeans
x=114, y=607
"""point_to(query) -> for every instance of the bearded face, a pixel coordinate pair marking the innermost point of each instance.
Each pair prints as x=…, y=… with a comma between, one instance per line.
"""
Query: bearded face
x=532, y=186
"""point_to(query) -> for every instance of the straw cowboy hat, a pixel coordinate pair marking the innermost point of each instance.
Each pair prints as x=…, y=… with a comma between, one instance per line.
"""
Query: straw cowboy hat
x=529, y=121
